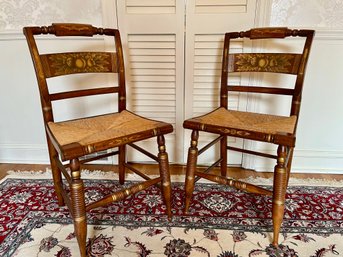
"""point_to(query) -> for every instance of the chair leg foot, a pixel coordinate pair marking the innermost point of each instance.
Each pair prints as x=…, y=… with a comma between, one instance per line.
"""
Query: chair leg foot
x=165, y=174
x=80, y=227
x=279, y=193
x=191, y=167
x=78, y=206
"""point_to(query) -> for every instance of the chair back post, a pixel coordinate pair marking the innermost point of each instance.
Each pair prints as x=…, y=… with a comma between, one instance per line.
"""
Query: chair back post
x=121, y=72
x=225, y=66
x=29, y=33
x=225, y=63
x=296, y=100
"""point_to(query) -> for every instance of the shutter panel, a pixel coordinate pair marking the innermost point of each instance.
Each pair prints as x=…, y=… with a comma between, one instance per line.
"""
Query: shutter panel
x=152, y=69
x=155, y=65
x=207, y=21
x=207, y=71
x=174, y=65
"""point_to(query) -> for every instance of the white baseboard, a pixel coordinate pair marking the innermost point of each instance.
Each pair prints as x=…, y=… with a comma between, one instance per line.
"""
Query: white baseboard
x=29, y=154
x=24, y=153
x=306, y=161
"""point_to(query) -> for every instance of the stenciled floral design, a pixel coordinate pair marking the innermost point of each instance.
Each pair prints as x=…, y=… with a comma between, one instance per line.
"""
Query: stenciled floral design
x=264, y=62
x=68, y=63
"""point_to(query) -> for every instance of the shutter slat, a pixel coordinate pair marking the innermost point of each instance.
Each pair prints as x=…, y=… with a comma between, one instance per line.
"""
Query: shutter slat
x=150, y=6
x=220, y=6
x=153, y=75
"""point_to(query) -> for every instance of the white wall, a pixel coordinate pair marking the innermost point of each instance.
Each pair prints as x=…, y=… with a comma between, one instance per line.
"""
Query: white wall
x=319, y=143
x=319, y=146
x=22, y=137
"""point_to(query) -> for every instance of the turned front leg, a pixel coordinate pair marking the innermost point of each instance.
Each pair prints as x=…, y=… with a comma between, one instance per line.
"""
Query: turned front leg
x=165, y=174
x=191, y=167
x=78, y=206
x=279, y=192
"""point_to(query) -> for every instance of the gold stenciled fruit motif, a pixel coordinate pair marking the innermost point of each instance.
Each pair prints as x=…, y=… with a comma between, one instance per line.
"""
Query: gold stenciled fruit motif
x=264, y=62
x=80, y=62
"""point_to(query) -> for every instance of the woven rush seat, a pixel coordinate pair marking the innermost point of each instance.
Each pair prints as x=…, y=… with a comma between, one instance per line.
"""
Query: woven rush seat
x=90, y=134
x=225, y=120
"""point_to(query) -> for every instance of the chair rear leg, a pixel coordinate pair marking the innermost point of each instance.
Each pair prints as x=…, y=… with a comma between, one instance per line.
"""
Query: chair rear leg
x=289, y=164
x=165, y=174
x=223, y=155
x=56, y=173
x=191, y=167
x=279, y=192
x=77, y=194
x=121, y=163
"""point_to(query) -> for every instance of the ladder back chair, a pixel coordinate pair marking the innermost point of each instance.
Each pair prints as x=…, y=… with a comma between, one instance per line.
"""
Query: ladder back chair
x=72, y=143
x=270, y=128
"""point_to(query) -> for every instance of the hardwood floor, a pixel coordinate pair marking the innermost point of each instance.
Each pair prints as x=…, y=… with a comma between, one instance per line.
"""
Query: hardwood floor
x=175, y=169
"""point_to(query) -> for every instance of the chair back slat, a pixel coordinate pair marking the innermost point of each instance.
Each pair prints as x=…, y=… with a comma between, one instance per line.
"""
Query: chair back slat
x=85, y=92
x=264, y=90
x=264, y=62
x=78, y=62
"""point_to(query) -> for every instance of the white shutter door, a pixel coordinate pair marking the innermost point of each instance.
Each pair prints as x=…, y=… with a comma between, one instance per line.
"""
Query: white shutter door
x=173, y=65
x=206, y=23
x=153, y=41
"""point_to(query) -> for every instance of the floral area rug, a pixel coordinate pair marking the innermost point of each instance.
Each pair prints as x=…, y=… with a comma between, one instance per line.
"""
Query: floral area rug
x=223, y=222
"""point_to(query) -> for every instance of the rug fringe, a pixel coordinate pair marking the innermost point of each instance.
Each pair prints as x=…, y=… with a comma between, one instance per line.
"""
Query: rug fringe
x=100, y=174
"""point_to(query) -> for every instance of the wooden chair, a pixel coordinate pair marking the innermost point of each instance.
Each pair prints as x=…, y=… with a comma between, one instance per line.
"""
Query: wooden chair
x=75, y=140
x=275, y=129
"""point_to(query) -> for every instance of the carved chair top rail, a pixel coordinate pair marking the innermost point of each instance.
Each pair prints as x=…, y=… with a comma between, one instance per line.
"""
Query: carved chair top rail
x=70, y=29
x=276, y=32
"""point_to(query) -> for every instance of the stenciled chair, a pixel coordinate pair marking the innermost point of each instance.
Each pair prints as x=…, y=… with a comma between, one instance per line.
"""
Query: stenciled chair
x=72, y=143
x=275, y=129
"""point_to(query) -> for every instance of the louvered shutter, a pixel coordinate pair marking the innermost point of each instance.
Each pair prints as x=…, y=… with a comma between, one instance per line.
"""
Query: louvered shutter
x=173, y=64
x=207, y=21
x=152, y=35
